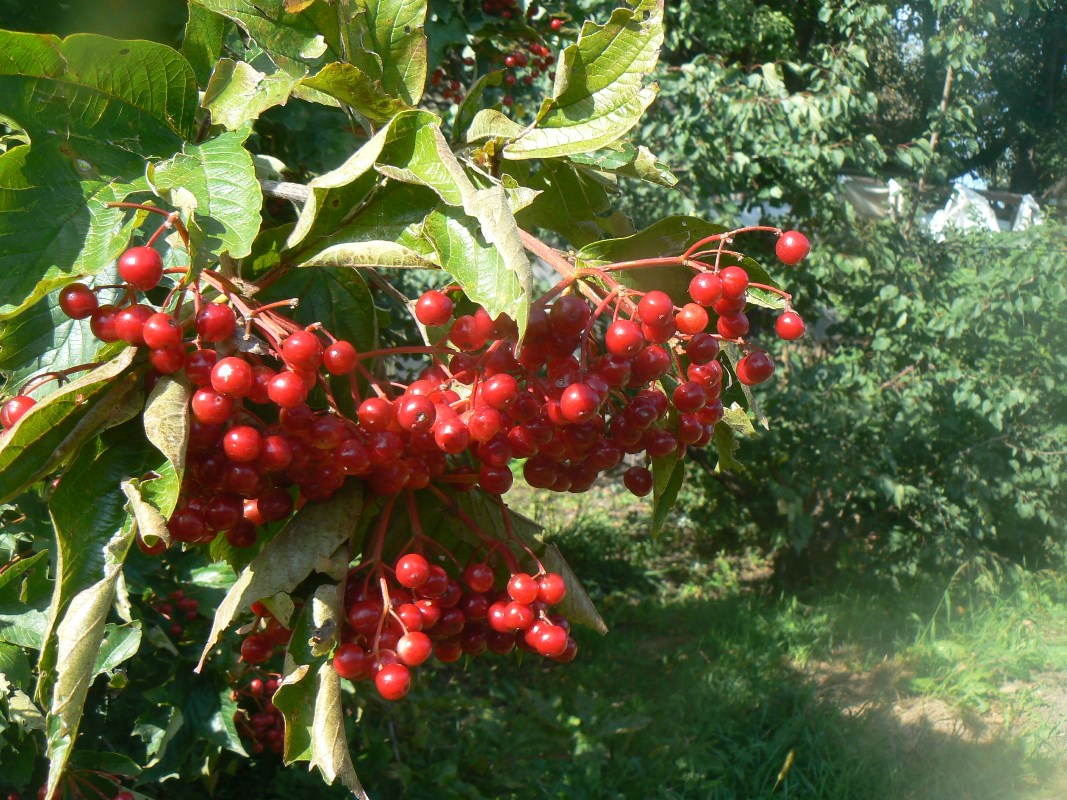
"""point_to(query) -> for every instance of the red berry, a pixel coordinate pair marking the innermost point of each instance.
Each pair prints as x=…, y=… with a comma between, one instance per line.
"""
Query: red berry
x=340, y=358
x=624, y=339
x=688, y=397
x=376, y=414
x=702, y=348
x=210, y=407
x=232, y=377
x=500, y=391
x=393, y=681
x=102, y=323
x=287, y=390
x=522, y=588
x=551, y=589
x=638, y=480
x=734, y=282
x=649, y=365
x=15, y=409
x=434, y=308
x=579, y=402
x=556, y=24
x=162, y=331
x=256, y=649
x=792, y=248
x=78, y=301
x=551, y=641
x=351, y=661
x=518, y=616
x=569, y=315
x=732, y=326
x=691, y=319
x=130, y=322
x=754, y=368
x=789, y=325
x=479, y=577
x=242, y=443
x=215, y=322
x=451, y=435
x=302, y=351
x=705, y=289
x=198, y=366
x=169, y=361
x=414, y=648
x=656, y=308
x=495, y=480
x=412, y=571
x=141, y=267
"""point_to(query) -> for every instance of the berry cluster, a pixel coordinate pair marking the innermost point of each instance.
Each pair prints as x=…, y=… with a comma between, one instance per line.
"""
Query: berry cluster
x=605, y=379
x=419, y=611
x=256, y=718
x=177, y=607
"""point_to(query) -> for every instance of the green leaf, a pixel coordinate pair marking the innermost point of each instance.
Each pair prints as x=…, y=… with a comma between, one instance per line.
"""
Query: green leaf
x=668, y=474
x=136, y=96
x=44, y=339
x=309, y=696
x=216, y=182
x=15, y=667
x=355, y=88
x=202, y=43
x=599, y=93
x=55, y=226
x=53, y=430
x=120, y=643
x=392, y=46
x=571, y=204
x=111, y=763
x=78, y=639
x=157, y=736
x=238, y=92
x=166, y=419
x=338, y=298
x=623, y=159
x=307, y=544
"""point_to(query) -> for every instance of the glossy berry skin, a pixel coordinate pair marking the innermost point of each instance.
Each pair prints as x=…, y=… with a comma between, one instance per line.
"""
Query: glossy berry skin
x=691, y=319
x=168, y=361
x=287, y=390
x=551, y=641
x=351, y=661
x=434, y=308
x=551, y=589
x=624, y=338
x=569, y=315
x=393, y=681
x=302, y=351
x=705, y=289
x=754, y=368
x=412, y=571
x=415, y=414
x=15, y=409
x=256, y=649
x=789, y=326
x=242, y=443
x=522, y=588
x=414, y=648
x=579, y=402
x=141, y=267
x=792, y=248
x=198, y=366
x=656, y=308
x=500, y=391
x=130, y=322
x=232, y=377
x=215, y=322
x=732, y=326
x=734, y=282
x=340, y=358
x=162, y=331
x=78, y=301
x=210, y=407
x=638, y=480
x=702, y=348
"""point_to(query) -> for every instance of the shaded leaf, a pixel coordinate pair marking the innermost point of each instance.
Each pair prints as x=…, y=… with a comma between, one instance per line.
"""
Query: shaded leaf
x=355, y=88
x=137, y=96
x=668, y=474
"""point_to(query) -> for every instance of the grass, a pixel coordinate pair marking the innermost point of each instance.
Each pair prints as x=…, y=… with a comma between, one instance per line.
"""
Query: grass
x=712, y=685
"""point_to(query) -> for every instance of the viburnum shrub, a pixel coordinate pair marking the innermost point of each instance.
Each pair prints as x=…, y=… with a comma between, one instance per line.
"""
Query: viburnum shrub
x=239, y=409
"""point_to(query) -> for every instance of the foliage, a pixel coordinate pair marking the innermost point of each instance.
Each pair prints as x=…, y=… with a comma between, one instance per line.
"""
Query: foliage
x=190, y=427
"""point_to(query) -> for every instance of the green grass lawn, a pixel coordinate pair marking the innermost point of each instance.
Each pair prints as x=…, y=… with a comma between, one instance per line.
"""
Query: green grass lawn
x=712, y=685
